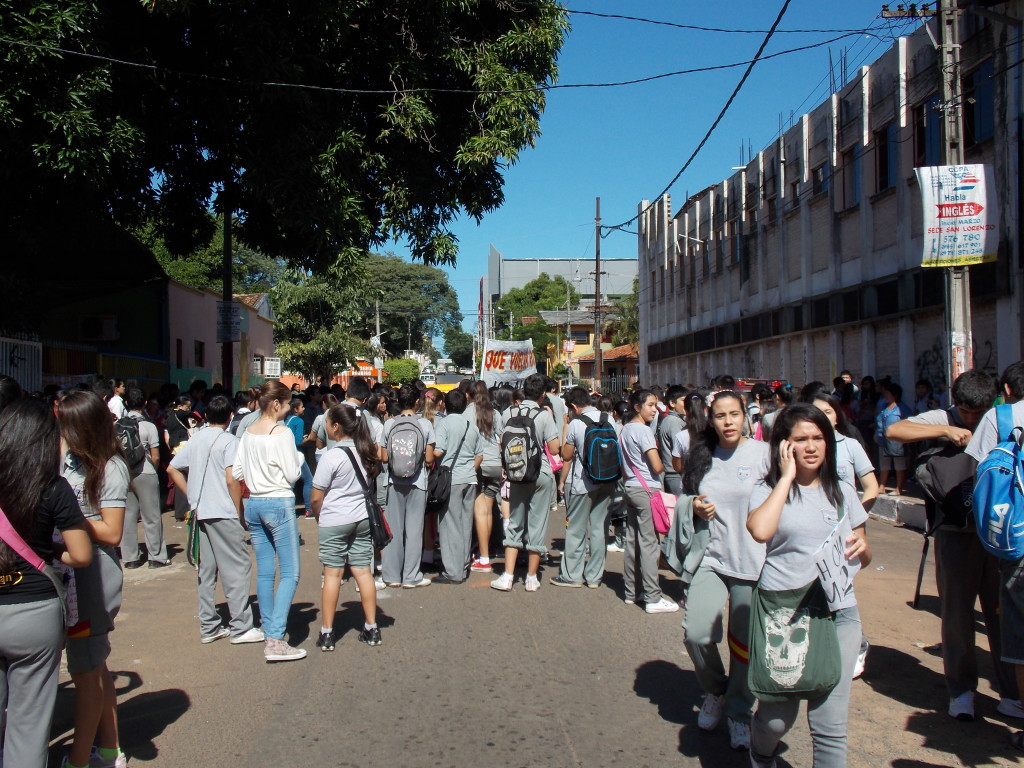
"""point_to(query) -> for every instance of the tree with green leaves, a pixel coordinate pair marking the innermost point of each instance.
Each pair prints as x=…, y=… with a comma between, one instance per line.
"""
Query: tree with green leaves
x=401, y=370
x=317, y=319
x=626, y=325
x=542, y=293
x=458, y=347
x=414, y=298
x=329, y=128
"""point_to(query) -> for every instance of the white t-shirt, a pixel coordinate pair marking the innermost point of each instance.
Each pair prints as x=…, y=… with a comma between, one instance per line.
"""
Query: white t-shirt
x=635, y=440
x=116, y=406
x=851, y=460
x=344, y=499
x=207, y=479
x=681, y=444
x=805, y=524
x=269, y=464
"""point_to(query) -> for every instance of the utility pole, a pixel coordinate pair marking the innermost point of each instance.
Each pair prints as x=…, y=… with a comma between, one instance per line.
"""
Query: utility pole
x=598, y=361
x=510, y=325
x=958, y=282
x=227, y=349
x=376, y=311
x=408, y=329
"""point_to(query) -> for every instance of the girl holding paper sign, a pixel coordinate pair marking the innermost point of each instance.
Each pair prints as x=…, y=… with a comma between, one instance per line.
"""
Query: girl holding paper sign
x=721, y=470
x=798, y=507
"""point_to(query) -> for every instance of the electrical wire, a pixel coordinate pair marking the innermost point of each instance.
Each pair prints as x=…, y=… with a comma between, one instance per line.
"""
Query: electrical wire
x=715, y=29
x=714, y=125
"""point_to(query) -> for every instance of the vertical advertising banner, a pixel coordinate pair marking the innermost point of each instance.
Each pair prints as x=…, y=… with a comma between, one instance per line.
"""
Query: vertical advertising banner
x=961, y=218
x=507, y=362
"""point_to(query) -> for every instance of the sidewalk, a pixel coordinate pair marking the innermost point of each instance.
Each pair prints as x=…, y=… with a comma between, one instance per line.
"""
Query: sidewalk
x=467, y=676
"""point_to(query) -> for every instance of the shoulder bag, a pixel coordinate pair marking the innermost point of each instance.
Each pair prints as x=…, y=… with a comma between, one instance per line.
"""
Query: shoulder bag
x=661, y=502
x=380, y=531
x=13, y=539
x=192, y=516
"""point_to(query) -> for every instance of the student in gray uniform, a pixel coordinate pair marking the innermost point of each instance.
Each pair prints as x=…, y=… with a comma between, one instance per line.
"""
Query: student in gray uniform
x=406, y=497
x=529, y=503
x=797, y=507
x=669, y=425
x=489, y=476
x=459, y=448
x=640, y=457
x=98, y=475
x=36, y=501
x=965, y=572
x=217, y=498
x=144, y=495
x=587, y=504
x=721, y=470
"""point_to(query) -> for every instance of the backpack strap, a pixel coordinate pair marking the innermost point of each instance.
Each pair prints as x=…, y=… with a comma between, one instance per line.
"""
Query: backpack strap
x=13, y=539
x=1004, y=422
x=355, y=466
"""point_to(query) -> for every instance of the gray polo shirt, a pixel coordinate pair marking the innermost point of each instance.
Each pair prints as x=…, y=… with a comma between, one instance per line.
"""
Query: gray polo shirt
x=208, y=456
x=113, y=489
x=449, y=434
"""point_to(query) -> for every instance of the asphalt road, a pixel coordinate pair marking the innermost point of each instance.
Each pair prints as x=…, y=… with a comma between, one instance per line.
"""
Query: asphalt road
x=467, y=676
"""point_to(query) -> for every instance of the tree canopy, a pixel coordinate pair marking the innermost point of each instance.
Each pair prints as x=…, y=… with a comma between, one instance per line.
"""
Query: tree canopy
x=541, y=293
x=458, y=347
x=329, y=127
x=401, y=371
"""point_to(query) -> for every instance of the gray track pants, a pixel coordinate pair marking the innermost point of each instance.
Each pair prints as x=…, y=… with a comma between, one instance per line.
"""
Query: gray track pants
x=827, y=717
x=587, y=518
x=965, y=573
x=400, y=560
x=642, y=545
x=30, y=645
x=144, y=501
x=222, y=549
x=702, y=625
x=455, y=530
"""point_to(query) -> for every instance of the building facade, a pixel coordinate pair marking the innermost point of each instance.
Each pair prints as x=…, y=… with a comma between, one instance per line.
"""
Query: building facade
x=807, y=261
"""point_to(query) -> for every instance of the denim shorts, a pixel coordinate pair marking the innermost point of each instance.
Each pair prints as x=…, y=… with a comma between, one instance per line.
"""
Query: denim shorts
x=488, y=481
x=1011, y=610
x=346, y=544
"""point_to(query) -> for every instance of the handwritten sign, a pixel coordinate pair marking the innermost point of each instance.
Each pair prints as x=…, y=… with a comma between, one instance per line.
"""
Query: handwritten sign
x=507, y=362
x=961, y=218
x=835, y=572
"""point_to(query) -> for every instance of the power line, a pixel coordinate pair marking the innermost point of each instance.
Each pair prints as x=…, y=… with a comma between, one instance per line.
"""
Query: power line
x=714, y=125
x=716, y=29
x=393, y=91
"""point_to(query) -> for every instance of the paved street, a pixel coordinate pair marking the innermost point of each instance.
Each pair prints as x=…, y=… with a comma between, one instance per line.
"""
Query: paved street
x=469, y=676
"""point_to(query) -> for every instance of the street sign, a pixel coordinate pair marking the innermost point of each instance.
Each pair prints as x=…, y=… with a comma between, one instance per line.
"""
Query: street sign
x=229, y=322
x=961, y=218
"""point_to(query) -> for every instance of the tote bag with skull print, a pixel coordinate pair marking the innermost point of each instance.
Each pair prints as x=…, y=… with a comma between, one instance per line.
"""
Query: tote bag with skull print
x=794, y=648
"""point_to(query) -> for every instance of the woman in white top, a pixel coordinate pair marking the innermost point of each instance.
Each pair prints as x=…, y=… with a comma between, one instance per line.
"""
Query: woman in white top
x=269, y=464
x=339, y=504
x=721, y=470
x=641, y=459
x=801, y=503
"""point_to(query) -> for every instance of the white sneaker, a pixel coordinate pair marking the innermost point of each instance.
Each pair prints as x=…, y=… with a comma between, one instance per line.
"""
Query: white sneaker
x=220, y=634
x=424, y=582
x=532, y=583
x=962, y=707
x=253, y=635
x=1010, y=708
x=613, y=547
x=739, y=734
x=379, y=584
x=662, y=606
x=503, y=583
x=710, y=712
x=97, y=761
x=858, y=667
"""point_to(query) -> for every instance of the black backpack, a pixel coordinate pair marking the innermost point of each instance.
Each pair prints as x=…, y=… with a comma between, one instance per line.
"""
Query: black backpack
x=949, y=495
x=520, y=450
x=127, y=430
x=600, y=454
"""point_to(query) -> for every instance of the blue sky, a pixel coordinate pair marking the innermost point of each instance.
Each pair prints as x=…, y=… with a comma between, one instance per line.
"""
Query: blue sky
x=625, y=144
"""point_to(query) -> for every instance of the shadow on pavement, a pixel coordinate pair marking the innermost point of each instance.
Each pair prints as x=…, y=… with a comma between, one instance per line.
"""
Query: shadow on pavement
x=300, y=617
x=973, y=743
x=349, y=618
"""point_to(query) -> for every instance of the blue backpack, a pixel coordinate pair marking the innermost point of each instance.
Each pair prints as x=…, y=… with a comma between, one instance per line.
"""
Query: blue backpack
x=999, y=492
x=600, y=454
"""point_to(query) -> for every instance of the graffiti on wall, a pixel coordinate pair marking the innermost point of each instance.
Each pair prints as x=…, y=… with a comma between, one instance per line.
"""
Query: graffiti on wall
x=931, y=363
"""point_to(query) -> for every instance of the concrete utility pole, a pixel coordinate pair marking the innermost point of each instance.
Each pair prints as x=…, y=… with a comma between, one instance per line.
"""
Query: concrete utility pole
x=958, y=282
x=227, y=349
x=380, y=347
x=598, y=361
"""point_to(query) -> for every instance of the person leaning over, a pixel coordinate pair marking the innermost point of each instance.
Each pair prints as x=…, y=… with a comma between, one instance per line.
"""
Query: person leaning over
x=216, y=497
x=587, y=504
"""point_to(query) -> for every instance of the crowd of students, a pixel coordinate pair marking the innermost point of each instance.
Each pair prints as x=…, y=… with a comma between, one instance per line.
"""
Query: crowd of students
x=759, y=479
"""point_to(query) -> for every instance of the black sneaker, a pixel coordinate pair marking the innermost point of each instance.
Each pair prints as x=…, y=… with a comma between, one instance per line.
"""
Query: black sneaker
x=370, y=636
x=326, y=641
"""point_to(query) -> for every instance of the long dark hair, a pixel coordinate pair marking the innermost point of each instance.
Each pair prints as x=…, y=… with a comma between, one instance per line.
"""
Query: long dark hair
x=702, y=447
x=354, y=426
x=636, y=402
x=696, y=415
x=502, y=398
x=29, y=460
x=827, y=473
x=843, y=425
x=484, y=409
x=88, y=429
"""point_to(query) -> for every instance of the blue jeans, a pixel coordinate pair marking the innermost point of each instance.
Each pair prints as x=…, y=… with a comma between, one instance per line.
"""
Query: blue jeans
x=274, y=533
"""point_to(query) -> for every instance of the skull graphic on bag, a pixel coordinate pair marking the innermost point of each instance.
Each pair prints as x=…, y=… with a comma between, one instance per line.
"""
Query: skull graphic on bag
x=787, y=637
